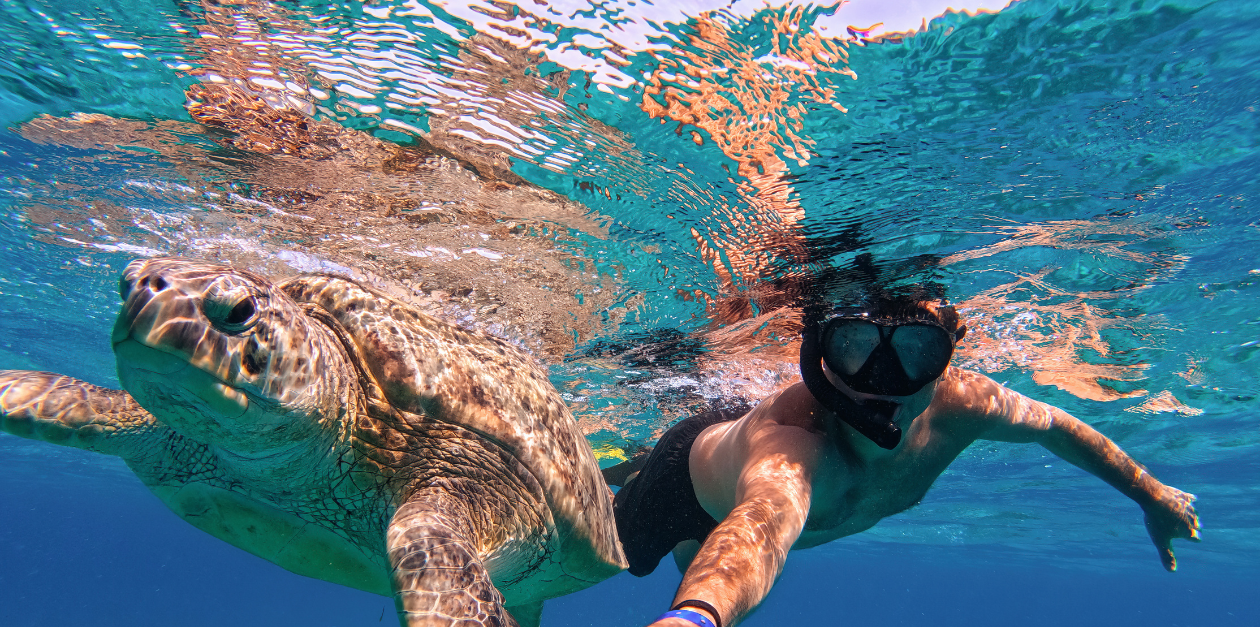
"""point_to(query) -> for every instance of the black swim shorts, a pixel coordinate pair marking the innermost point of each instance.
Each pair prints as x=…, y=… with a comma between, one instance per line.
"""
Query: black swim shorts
x=658, y=508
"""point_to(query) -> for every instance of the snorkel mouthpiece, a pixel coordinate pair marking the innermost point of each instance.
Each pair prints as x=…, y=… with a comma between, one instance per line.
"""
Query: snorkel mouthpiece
x=873, y=419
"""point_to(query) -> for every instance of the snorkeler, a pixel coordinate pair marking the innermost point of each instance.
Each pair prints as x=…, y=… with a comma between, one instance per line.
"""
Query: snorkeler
x=878, y=417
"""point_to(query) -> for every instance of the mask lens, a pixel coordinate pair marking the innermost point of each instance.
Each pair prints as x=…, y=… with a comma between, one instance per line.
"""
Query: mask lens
x=848, y=344
x=924, y=350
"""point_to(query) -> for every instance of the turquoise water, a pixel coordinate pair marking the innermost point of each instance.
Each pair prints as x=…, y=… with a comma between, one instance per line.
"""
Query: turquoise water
x=640, y=195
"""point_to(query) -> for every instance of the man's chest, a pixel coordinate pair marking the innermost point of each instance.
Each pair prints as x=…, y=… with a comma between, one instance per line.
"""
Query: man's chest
x=851, y=496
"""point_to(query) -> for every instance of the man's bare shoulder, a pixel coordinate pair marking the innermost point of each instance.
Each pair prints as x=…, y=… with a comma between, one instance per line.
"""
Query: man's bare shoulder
x=970, y=398
x=964, y=393
x=771, y=439
x=791, y=410
x=793, y=406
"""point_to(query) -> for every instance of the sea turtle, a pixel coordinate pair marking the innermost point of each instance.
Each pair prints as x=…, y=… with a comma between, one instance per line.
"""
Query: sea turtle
x=340, y=433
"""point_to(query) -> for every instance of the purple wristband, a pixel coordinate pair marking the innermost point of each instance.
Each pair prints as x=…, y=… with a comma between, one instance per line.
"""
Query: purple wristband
x=701, y=605
x=687, y=615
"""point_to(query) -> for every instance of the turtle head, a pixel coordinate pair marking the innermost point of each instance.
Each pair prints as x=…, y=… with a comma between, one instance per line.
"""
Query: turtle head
x=225, y=357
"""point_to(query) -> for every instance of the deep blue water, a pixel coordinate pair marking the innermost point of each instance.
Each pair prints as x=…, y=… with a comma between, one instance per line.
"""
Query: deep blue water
x=1080, y=177
x=100, y=551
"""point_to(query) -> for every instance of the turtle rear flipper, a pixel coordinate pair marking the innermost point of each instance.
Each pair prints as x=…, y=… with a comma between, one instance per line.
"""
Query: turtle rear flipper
x=63, y=410
x=439, y=579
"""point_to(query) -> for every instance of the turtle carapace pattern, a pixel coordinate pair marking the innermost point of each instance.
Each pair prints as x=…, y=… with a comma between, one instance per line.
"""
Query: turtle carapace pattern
x=322, y=425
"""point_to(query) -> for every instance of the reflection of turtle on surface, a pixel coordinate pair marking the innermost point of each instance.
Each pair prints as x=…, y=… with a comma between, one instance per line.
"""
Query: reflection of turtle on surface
x=342, y=435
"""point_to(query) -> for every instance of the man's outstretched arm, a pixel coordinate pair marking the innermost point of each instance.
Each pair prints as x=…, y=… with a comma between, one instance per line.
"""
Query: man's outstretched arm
x=1017, y=418
x=740, y=560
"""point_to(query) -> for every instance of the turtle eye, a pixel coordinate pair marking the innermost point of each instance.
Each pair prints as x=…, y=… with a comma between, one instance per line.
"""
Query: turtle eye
x=241, y=312
x=231, y=316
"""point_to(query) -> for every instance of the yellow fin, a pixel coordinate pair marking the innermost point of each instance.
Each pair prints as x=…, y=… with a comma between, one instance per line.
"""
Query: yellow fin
x=609, y=451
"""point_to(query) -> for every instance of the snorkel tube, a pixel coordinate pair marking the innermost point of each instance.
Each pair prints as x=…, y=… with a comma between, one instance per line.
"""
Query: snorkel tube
x=872, y=419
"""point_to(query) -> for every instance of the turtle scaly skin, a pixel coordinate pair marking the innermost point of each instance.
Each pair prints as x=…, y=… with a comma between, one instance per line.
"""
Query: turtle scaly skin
x=343, y=435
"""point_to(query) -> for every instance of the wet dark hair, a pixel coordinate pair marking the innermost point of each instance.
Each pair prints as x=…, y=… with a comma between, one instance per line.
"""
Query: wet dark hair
x=913, y=307
x=915, y=302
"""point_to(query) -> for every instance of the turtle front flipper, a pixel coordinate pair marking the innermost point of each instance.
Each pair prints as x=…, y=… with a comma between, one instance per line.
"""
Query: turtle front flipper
x=63, y=410
x=439, y=579
x=527, y=615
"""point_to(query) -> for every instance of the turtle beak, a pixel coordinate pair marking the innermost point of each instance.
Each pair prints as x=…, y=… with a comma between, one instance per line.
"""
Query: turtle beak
x=133, y=301
x=161, y=329
x=147, y=297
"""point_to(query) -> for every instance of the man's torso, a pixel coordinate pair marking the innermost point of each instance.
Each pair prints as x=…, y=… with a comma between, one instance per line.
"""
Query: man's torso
x=854, y=483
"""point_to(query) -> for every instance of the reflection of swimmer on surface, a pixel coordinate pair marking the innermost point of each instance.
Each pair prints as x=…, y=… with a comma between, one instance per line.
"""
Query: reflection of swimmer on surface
x=878, y=418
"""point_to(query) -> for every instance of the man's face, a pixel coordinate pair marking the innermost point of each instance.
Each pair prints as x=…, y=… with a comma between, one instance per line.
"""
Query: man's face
x=886, y=353
x=910, y=405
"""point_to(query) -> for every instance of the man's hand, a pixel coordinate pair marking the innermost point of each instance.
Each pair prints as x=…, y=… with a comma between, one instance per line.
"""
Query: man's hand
x=1170, y=516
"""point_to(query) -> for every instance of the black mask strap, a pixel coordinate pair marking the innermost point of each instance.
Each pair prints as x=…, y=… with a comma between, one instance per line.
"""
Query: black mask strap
x=872, y=419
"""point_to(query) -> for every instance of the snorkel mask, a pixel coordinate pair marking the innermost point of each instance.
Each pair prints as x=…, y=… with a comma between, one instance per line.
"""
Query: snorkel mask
x=873, y=355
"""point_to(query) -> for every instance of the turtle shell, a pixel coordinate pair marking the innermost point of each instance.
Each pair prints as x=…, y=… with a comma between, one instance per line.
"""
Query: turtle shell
x=435, y=371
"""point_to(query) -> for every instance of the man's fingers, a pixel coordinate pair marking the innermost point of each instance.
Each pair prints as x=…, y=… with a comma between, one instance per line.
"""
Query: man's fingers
x=1163, y=544
x=1169, y=561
